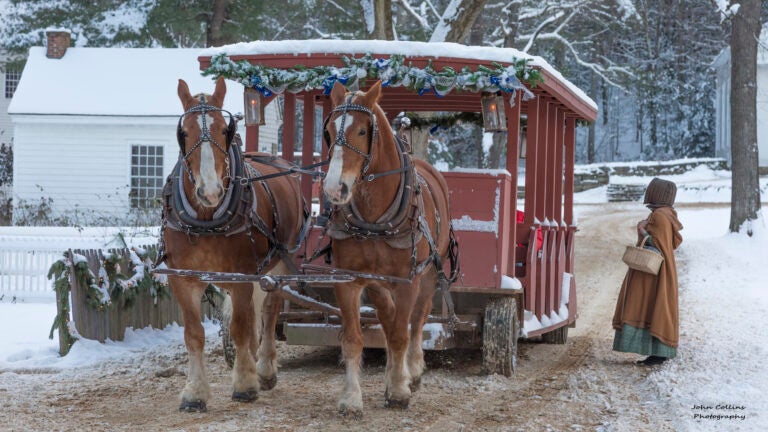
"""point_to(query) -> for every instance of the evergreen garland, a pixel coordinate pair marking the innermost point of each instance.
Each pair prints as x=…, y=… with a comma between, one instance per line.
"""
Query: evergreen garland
x=393, y=72
x=60, y=273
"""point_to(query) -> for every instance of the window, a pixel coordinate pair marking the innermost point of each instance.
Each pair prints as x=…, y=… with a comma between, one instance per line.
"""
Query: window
x=146, y=176
x=12, y=78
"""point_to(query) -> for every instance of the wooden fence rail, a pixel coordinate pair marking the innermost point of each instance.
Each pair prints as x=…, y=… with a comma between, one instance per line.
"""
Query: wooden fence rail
x=111, y=321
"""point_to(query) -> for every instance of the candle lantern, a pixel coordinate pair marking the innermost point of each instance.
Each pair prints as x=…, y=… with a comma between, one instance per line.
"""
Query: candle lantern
x=494, y=119
x=254, y=107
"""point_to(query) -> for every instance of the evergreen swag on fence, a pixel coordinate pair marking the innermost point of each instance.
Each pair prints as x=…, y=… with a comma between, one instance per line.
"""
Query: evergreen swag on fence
x=392, y=72
x=111, y=288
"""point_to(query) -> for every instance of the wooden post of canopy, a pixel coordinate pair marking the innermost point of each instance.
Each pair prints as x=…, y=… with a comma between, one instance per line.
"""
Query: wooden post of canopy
x=541, y=196
x=549, y=209
x=512, y=111
x=570, y=147
x=558, y=220
x=531, y=152
x=308, y=143
x=252, y=138
x=289, y=125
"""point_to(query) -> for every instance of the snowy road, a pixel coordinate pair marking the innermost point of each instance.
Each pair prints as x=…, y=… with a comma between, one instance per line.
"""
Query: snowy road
x=582, y=386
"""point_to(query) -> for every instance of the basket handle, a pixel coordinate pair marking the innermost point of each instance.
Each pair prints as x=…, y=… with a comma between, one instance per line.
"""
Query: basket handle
x=642, y=242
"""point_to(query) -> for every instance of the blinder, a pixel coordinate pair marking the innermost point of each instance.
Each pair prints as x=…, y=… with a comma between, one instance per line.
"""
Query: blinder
x=341, y=139
x=201, y=108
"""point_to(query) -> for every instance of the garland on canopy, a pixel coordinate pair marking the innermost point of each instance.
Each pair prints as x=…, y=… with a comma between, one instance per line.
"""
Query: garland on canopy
x=393, y=72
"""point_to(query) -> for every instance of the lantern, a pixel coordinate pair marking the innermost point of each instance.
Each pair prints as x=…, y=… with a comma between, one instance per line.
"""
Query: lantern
x=494, y=119
x=254, y=107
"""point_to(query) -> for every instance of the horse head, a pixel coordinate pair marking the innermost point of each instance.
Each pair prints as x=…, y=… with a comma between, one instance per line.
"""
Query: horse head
x=352, y=133
x=204, y=139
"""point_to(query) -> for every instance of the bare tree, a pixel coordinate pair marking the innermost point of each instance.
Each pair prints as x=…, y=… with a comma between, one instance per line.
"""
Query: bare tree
x=745, y=191
x=378, y=19
x=456, y=21
x=219, y=14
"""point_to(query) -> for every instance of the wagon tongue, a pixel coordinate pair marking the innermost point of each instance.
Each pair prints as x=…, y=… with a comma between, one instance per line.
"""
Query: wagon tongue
x=267, y=282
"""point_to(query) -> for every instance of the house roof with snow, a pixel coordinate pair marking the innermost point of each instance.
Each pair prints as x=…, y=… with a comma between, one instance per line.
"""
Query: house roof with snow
x=113, y=82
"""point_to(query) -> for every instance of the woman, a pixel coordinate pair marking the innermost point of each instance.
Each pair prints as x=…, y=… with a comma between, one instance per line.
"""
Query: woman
x=646, y=317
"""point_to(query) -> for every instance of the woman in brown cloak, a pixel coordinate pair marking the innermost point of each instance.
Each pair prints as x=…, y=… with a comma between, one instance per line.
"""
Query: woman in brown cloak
x=646, y=317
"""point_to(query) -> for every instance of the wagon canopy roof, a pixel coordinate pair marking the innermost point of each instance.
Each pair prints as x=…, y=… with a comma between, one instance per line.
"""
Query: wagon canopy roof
x=309, y=53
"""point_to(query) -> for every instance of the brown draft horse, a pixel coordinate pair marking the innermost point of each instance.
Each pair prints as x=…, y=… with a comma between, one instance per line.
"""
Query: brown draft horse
x=390, y=217
x=214, y=222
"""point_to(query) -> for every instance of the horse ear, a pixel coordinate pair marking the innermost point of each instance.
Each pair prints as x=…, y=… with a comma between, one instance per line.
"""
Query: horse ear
x=184, y=95
x=337, y=94
x=220, y=91
x=373, y=95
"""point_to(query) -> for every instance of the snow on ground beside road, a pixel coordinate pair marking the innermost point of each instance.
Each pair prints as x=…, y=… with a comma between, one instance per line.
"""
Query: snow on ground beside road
x=723, y=317
x=700, y=185
x=24, y=343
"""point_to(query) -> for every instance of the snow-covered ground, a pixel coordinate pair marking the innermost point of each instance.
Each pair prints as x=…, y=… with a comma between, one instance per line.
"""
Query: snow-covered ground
x=700, y=185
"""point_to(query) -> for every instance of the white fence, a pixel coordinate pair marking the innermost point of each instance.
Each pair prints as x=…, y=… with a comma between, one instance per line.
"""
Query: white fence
x=27, y=253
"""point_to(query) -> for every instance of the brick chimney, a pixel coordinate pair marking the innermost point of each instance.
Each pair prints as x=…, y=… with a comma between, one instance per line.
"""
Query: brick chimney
x=58, y=42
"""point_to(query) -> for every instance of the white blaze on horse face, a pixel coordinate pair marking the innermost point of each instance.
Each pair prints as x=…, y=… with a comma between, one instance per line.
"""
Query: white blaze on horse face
x=336, y=178
x=209, y=185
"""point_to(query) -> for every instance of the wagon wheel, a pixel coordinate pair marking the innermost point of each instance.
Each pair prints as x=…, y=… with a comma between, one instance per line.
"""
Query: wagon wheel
x=556, y=337
x=225, y=319
x=500, y=330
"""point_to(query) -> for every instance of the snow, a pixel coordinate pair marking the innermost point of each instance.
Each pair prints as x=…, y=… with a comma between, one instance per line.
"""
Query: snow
x=113, y=81
x=700, y=185
x=510, y=283
x=307, y=48
x=24, y=329
x=723, y=316
x=466, y=223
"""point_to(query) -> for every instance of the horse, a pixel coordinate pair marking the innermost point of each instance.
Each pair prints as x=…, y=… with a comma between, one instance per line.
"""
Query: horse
x=218, y=217
x=390, y=216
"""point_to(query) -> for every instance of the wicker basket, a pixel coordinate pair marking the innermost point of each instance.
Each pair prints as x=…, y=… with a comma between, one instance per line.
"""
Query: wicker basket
x=642, y=259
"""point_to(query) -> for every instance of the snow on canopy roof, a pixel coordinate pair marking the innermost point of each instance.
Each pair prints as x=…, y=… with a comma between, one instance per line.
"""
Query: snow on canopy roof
x=404, y=48
x=113, y=81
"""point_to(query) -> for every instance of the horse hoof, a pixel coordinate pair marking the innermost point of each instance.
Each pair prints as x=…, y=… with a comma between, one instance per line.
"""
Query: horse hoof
x=396, y=403
x=415, y=384
x=350, y=412
x=245, y=396
x=192, y=406
x=267, y=383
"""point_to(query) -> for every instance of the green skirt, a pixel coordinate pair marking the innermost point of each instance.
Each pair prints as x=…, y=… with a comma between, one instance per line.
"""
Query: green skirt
x=636, y=340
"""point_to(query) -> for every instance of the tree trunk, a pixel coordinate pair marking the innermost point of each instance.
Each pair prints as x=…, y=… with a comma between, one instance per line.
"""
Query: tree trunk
x=745, y=191
x=382, y=19
x=457, y=20
x=219, y=15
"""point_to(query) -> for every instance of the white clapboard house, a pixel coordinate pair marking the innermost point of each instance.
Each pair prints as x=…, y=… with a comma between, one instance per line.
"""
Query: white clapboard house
x=722, y=66
x=95, y=128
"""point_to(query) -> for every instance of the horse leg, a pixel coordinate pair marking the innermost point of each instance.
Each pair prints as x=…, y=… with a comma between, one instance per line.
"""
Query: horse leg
x=196, y=392
x=244, y=379
x=348, y=298
x=266, y=367
x=397, y=377
x=416, y=365
x=381, y=298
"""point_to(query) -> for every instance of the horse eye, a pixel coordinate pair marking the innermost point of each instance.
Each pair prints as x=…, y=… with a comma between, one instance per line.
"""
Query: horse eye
x=362, y=132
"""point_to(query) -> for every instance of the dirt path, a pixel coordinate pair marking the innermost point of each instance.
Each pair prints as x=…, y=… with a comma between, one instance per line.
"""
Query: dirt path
x=580, y=386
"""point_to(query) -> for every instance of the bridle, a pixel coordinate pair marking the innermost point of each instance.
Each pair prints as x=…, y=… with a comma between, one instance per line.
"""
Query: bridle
x=205, y=135
x=341, y=139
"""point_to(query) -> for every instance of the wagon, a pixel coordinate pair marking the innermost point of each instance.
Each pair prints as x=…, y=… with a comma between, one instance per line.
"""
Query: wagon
x=517, y=276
